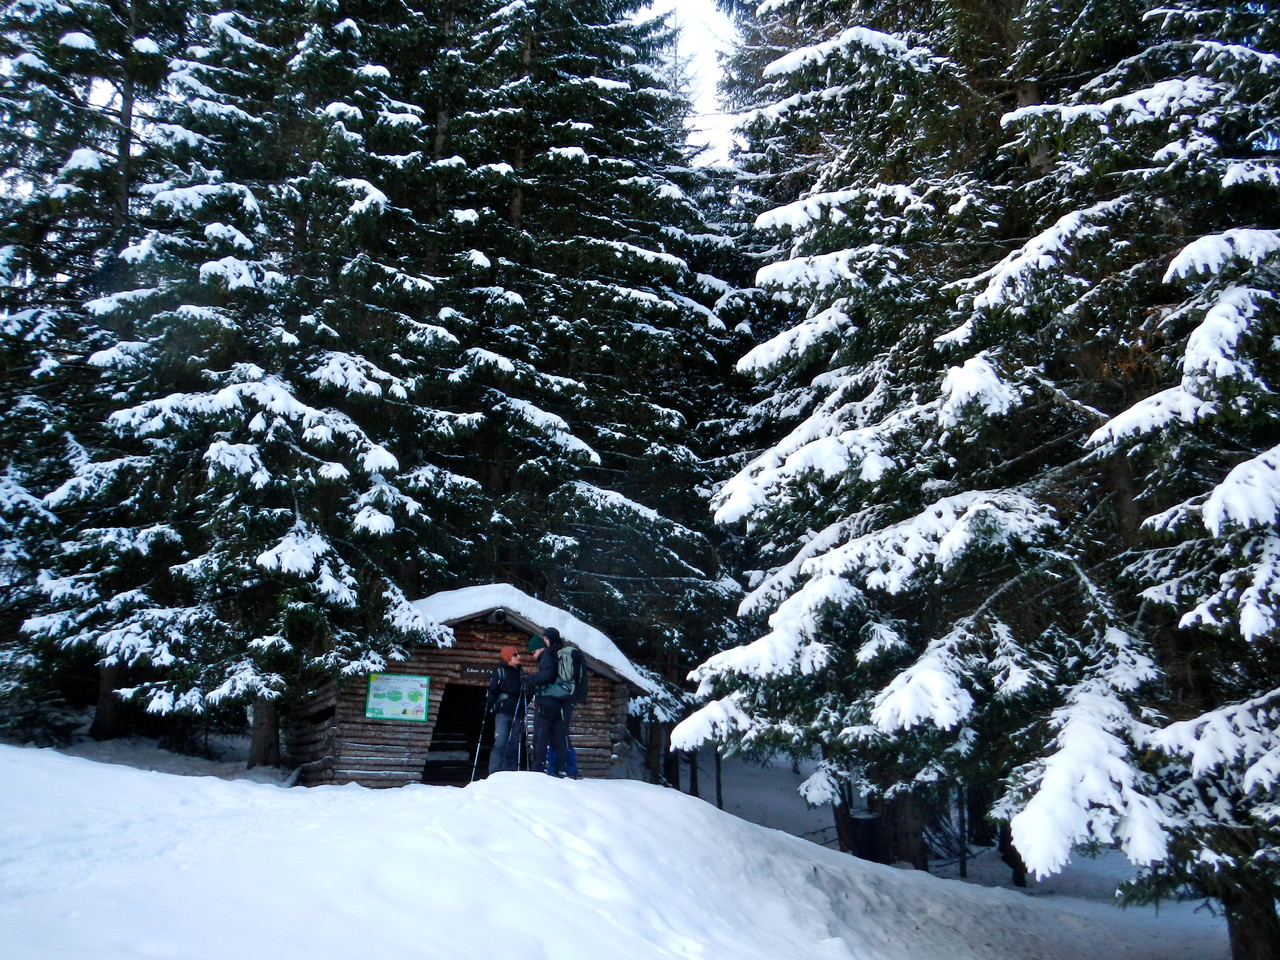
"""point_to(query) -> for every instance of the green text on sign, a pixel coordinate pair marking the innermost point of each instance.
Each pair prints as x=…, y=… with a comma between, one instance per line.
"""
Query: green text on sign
x=397, y=696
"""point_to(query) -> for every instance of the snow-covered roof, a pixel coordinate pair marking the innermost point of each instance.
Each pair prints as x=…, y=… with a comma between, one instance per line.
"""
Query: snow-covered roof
x=454, y=606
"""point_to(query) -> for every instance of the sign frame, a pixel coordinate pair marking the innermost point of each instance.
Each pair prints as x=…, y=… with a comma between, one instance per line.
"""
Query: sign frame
x=398, y=696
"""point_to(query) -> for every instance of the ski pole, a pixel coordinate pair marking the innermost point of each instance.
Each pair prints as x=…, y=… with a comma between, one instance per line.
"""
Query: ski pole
x=475, y=765
x=524, y=723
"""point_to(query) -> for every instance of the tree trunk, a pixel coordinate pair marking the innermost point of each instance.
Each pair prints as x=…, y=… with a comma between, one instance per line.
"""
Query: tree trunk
x=693, y=774
x=111, y=719
x=908, y=831
x=862, y=834
x=518, y=158
x=1252, y=924
x=1128, y=514
x=670, y=760
x=979, y=801
x=264, y=734
x=124, y=146
x=1010, y=855
x=653, y=752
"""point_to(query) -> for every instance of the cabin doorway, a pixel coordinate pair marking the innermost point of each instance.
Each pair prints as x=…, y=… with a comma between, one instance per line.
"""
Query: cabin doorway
x=452, y=754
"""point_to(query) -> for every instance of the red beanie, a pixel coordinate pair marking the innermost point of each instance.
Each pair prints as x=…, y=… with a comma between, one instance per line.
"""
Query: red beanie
x=507, y=653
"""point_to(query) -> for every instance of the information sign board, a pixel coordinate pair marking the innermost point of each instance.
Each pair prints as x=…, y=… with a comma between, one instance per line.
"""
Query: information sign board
x=397, y=696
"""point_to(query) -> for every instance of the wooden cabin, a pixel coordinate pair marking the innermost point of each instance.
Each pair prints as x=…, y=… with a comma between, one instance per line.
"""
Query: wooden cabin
x=420, y=721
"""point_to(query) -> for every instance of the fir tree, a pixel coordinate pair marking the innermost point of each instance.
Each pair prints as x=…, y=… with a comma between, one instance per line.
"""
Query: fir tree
x=1012, y=452
x=77, y=127
x=1170, y=152
x=585, y=321
x=929, y=484
x=266, y=367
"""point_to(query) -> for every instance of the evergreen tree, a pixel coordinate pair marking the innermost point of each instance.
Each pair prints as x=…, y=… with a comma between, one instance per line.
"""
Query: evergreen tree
x=929, y=486
x=1011, y=452
x=241, y=540
x=77, y=128
x=585, y=321
x=1169, y=153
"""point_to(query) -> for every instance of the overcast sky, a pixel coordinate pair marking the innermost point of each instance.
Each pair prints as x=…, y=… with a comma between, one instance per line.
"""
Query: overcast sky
x=705, y=31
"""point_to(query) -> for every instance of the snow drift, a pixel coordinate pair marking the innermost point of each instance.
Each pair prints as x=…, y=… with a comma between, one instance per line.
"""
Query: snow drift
x=111, y=862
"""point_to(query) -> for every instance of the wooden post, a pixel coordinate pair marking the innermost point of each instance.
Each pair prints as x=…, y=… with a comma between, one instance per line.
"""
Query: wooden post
x=719, y=779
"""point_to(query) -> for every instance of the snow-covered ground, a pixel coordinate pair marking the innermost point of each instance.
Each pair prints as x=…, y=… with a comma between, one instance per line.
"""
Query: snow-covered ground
x=109, y=861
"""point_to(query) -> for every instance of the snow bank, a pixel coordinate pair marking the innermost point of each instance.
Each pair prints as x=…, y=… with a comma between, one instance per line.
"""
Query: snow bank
x=112, y=863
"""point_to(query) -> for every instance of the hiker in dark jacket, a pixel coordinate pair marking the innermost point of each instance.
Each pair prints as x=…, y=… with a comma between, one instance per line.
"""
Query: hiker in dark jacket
x=503, y=700
x=551, y=713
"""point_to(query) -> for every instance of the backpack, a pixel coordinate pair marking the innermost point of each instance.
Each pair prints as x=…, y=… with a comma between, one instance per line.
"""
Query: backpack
x=571, y=676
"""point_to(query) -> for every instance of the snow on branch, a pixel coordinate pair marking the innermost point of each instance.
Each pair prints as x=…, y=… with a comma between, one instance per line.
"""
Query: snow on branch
x=850, y=267
x=641, y=253
x=355, y=374
x=717, y=721
x=1215, y=53
x=1211, y=254
x=1212, y=351
x=788, y=647
x=267, y=393
x=817, y=446
x=853, y=42
x=371, y=197
x=243, y=459
x=225, y=27
x=891, y=558
x=975, y=385
x=297, y=552
x=603, y=499
x=1089, y=789
x=1249, y=496
x=1248, y=599
x=185, y=201
x=1241, y=735
x=1151, y=415
x=91, y=478
x=102, y=306
x=403, y=616
x=802, y=213
x=1251, y=171
x=120, y=356
x=1009, y=282
x=928, y=691
x=796, y=341
x=1159, y=103
x=553, y=427
x=1213, y=354
x=243, y=681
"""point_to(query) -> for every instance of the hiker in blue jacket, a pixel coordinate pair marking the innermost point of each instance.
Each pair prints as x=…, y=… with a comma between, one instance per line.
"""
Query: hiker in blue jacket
x=536, y=643
x=552, y=706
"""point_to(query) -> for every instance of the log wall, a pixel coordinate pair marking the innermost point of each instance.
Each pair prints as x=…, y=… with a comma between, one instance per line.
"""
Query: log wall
x=332, y=741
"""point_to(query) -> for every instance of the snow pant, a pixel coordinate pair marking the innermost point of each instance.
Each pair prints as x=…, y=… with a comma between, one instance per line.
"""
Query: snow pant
x=550, y=729
x=572, y=766
x=505, y=754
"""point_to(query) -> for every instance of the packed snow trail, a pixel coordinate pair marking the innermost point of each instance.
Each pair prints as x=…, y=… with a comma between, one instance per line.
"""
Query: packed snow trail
x=111, y=862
